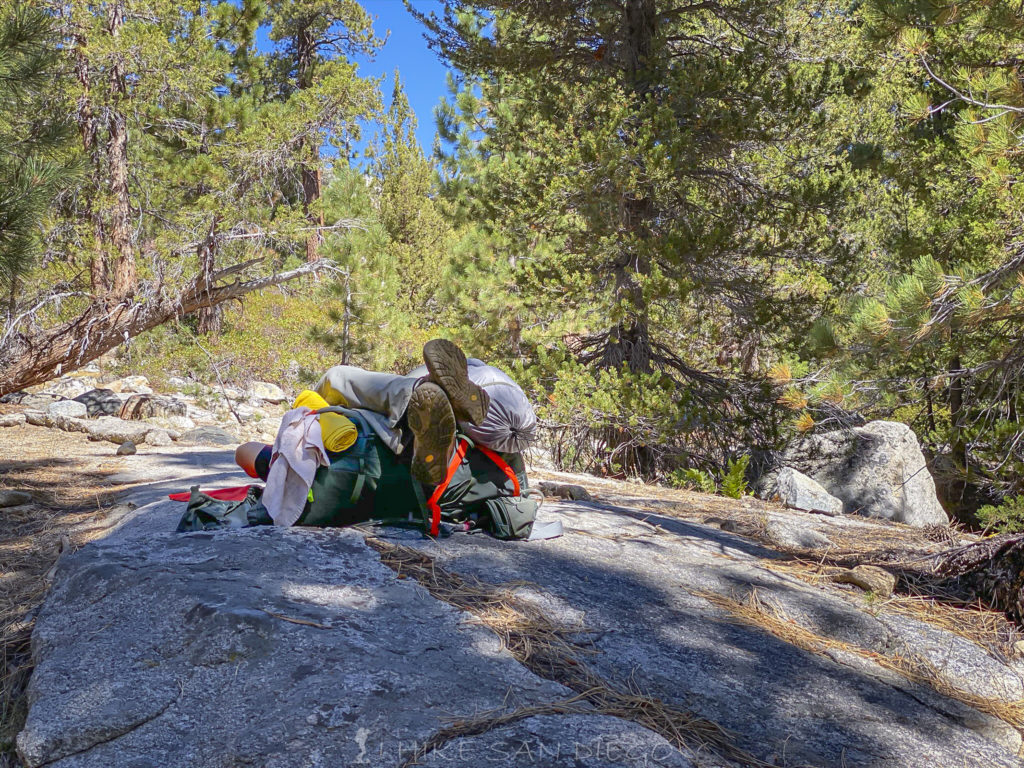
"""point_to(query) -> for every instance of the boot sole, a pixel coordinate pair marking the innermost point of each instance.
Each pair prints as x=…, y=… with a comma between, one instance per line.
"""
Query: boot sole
x=432, y=423
x=447, y=366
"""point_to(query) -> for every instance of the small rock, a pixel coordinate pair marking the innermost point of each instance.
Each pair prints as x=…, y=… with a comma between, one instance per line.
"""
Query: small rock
x=264, y=390
x=209, y=436
x=565, y=491
x=12, y=419
x=100, y=402
x=14, y=498
x=68, y=409
x=158, y=437
x=797, y=491
x=127, y=448
x=148, y=406
x=870, y=578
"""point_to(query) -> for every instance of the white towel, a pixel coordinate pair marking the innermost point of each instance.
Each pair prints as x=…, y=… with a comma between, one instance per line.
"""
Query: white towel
x=297, y=452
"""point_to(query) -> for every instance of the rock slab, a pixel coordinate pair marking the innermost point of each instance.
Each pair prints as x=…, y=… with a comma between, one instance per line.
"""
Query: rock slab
x=263, y=647
x=160, y=649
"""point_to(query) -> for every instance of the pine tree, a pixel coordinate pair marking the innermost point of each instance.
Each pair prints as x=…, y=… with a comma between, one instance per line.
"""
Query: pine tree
x=191, y=138
x=934, y=324
x=402, y=190
x=314, y=72
x=33, y=167
x=651, y=169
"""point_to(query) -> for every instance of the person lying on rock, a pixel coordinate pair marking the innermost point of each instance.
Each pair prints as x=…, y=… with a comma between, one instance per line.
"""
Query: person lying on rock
x=353, y=450
x=417, y=415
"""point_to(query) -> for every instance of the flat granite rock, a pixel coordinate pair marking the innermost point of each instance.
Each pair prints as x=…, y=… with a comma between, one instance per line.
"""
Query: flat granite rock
x=643, y=593
x=262, y=647
x=565, y=741
x=278, y=647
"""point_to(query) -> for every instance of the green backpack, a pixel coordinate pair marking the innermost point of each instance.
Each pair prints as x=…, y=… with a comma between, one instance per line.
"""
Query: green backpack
x=483, y=489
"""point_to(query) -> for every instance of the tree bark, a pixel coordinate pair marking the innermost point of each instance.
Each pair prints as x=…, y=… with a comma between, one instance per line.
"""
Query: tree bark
x=119, y=227
x=209, y=317
x=86, y=118
x=956, y=411
x=35, y=358
x=310, y=195
x=309, y=149
x=629, y=340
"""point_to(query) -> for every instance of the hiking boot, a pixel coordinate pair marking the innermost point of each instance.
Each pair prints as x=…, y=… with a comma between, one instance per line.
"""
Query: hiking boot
x=432, y=423
x=447, y=366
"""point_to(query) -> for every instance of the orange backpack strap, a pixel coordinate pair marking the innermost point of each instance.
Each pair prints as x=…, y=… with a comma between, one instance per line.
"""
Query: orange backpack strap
x=503, y=466
x=432, y=502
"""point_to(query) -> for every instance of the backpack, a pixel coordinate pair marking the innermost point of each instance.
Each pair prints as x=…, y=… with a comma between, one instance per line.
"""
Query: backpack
x=483, y=489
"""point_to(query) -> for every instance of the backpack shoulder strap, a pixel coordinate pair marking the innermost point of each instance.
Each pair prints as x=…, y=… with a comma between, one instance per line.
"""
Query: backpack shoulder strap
x=432, y=503
x=503, y=466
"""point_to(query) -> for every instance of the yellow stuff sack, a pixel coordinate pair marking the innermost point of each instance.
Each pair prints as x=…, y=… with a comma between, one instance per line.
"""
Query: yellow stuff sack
x=338, y=432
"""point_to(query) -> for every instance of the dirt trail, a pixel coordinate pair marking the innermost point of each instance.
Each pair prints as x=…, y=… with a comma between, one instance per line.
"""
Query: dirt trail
x=66, y=475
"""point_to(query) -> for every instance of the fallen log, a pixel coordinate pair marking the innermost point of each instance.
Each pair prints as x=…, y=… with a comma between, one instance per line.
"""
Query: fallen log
x=990, y=571
x=28, y=358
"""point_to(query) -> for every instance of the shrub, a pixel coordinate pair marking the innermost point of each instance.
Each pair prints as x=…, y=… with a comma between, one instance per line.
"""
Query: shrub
x=734, y=481
x=1007, y=517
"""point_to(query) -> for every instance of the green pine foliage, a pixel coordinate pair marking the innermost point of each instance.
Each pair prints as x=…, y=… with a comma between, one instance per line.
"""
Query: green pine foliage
x=33, y=163
x=1007, y=517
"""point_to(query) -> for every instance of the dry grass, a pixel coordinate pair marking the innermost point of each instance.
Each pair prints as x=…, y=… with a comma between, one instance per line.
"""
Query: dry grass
x=552, y=651
x=989, y=629
x=45, y=463
x=757, y=612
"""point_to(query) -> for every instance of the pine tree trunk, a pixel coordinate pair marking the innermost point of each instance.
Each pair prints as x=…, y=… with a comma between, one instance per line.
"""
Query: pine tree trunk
x=956, y=408
x=629, y=341
x=310, y=196
x=86, y=118
x=119, y=228
x=309, y=150
x=209, y=318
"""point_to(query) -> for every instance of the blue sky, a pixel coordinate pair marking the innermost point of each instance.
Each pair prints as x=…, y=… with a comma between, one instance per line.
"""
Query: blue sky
x=422, y=73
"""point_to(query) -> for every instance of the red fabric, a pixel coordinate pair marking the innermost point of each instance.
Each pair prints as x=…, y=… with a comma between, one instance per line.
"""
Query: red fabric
x=224, y=494
x=503, y=466
x=432, y=505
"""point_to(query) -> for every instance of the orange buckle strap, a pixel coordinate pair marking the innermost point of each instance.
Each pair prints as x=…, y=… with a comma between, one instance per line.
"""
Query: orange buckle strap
x=432, y=505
